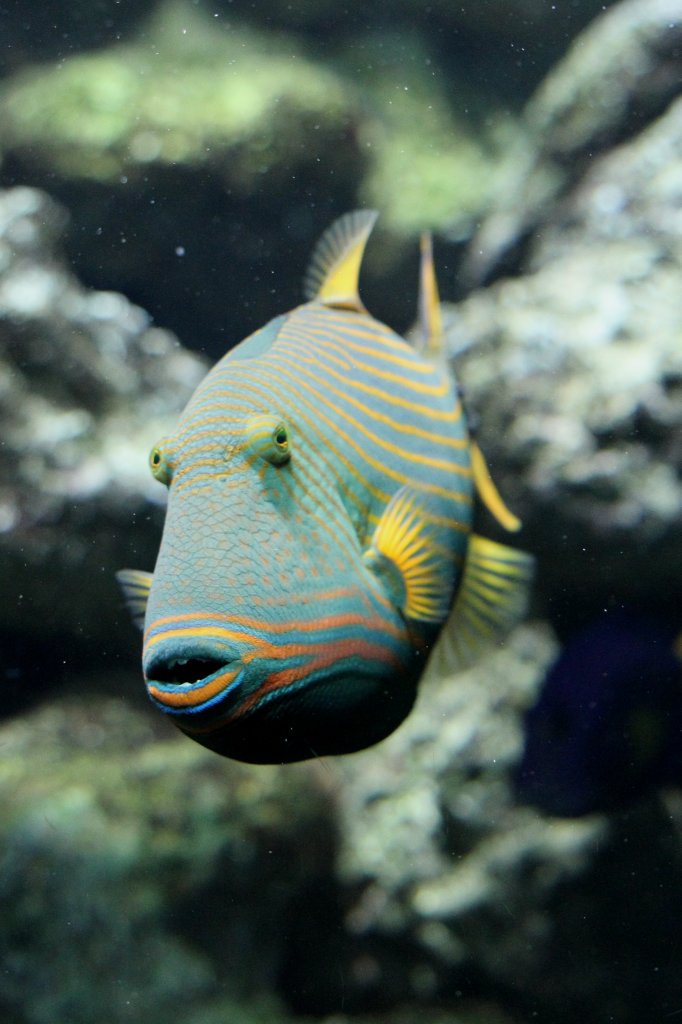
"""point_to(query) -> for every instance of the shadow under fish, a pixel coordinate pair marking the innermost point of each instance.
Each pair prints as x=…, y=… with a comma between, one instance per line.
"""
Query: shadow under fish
x=318, y=532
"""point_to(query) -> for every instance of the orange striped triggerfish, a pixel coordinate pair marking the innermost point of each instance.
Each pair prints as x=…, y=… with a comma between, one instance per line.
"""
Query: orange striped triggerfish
x=318, y=533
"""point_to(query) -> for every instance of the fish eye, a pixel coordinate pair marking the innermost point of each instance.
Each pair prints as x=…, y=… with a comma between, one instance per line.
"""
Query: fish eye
x=268, y=438
x=159, y=465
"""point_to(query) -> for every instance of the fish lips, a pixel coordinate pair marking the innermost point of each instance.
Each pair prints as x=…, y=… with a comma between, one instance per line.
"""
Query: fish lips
x=238, y=707
x=190, y=682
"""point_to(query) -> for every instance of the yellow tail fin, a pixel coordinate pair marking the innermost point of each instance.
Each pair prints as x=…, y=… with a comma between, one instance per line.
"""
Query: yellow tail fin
x=492, y=598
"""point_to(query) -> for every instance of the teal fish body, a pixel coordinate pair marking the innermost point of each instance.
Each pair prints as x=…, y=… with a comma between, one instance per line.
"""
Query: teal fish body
x=319, y=519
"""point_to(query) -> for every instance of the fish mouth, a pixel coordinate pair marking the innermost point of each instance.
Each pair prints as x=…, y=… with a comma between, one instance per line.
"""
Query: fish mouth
x=186, y=670
x=186, y=684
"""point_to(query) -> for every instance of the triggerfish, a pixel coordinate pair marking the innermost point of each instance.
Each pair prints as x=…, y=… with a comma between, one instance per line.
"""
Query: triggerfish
x=318, y=530
x=606, y=729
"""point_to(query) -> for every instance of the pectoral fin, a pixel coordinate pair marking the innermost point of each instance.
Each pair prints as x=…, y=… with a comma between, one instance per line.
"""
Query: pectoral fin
x=135, y=584
x=405, y=554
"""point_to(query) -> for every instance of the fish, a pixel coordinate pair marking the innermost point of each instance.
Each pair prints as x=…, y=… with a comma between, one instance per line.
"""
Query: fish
x=606, y=728
x=318, y=532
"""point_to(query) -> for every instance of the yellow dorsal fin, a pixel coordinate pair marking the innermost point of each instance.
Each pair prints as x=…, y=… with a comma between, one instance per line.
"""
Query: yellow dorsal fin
x=334, y=268
x=488, y=492
x=429, y=301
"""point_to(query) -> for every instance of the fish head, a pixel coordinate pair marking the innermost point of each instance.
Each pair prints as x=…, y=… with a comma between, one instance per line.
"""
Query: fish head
x=266, y=637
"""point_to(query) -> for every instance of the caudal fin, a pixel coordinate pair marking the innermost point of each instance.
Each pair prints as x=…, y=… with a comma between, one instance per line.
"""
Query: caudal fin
x=492, y=598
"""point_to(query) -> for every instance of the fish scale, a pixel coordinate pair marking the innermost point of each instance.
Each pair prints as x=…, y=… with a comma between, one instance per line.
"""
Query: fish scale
x=318, y=530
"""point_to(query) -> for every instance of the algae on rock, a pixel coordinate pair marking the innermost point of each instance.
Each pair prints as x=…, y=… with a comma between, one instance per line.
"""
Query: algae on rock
x=237, y=100
x=183, y=93
x=114, y=847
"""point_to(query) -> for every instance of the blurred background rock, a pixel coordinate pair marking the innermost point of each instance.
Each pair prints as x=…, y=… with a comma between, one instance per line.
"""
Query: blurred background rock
x=166, y=169
x=201, y=148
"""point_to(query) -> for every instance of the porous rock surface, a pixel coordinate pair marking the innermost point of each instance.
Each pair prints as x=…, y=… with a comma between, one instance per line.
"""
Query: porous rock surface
x=573, y=362
x=87, y=384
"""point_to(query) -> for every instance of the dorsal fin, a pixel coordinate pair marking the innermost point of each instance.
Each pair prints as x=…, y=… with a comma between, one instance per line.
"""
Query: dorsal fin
x=488, y=492
x=429, y=301
x=334, y=268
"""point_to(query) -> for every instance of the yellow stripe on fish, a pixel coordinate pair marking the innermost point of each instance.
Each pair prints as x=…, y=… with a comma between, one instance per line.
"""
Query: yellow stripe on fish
x=318, y=534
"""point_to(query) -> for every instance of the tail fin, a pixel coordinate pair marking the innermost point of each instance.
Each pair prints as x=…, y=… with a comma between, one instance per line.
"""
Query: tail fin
x=492, y=598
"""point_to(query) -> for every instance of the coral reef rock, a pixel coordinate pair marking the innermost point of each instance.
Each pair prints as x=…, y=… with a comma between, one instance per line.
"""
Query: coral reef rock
x=86, y=386
x=574, y=363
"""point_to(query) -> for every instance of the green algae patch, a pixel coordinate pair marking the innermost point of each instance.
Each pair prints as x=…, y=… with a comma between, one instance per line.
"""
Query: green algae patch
x=430, y=163
x=198, y=93
x=119, y=850
x=181, y=94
